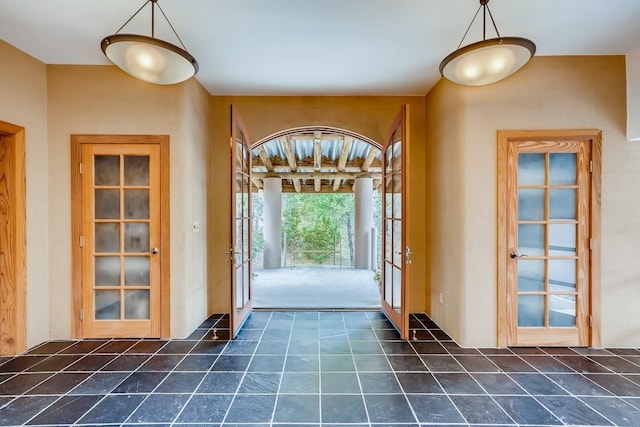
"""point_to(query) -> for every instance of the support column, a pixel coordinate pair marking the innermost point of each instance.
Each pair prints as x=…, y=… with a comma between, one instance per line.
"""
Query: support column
x=364, y=222
x=272, y=215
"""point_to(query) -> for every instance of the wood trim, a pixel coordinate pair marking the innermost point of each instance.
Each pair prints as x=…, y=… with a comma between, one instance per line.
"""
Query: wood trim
x=13, y=324
x=505, y=140
x=77, y=141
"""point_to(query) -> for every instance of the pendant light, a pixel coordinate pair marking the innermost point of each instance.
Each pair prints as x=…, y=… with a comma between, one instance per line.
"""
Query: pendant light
x=489, y=60
x=149, y=58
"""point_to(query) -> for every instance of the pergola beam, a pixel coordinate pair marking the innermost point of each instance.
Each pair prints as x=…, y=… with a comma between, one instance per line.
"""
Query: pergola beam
x=317, y=151
x=371, y=155
x=344, y=153
x=264, y=157
x=288, y=151
x=314, y=175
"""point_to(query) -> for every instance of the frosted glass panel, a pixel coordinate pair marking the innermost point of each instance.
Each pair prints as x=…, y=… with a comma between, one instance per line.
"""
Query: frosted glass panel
x=397, y=288
x=530, y=275
x=107, y=271
x=136, y=204
x=136, y=271
x=107, y=305
x=562, y=275
x=531, y=239
x=562, y=310
x=531, y=169
x=531, y=204
x=562, y=204
x=136, y=237
x=107, y=237
x=136, y=170
x=530, y=310
x=562, y=168
x=107, y=170
x=562, y=239
x=136, y=304
x=107, y=204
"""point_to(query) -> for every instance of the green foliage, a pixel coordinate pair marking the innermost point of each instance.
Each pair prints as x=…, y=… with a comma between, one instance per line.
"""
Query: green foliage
x=314, y=221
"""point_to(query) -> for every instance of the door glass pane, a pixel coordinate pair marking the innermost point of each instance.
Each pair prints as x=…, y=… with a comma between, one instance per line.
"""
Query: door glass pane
x=239, y=286
x=136, y=237
x=246, y=191
x=107, y=170
x=238, y=195
x=237, y=256
x=137, y=304
x=136, y=271
x=246, y=280
x=107, y=237
x=531, y=204
x=107, y=271
x=562, y=203
x=562, y=168
x=239, y=159
x=245, y=240
x=397, y=243
x=562, y=275
x=562, y=239
x=136, y=170
x=107, y=305
x=397, y=195
x=531, y=169
x=397, y=288
x=531, y=239
x=562, y=310
x=530, y=310
x=530, y=275
x=388, y=282
x=388, y=250
x=397, y=154
x=107, y=204
x=388, y=200
x=389, y=159
x=136, y=204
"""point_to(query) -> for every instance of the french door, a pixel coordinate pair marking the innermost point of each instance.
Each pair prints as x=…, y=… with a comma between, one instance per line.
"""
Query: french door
x=118, y=217
x=546, y=252
x=240, y=243
x=396, y=254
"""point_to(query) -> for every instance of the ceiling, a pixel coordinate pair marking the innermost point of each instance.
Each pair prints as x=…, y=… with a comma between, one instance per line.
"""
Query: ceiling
x=318, y=47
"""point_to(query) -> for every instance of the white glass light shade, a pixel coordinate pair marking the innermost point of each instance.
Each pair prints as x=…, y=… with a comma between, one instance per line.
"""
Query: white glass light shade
x=487, y=61
x=149, y=59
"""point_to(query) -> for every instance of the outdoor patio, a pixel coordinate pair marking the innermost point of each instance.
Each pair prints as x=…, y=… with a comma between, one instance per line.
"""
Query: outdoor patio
x=315, y=288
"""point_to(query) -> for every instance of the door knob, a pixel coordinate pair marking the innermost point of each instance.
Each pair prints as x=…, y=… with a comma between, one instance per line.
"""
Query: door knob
x=155, y=251
x=515, y=255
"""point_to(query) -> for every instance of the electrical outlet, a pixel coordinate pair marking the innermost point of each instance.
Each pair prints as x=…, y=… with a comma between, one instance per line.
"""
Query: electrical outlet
x=441, y=298
x=196, y=226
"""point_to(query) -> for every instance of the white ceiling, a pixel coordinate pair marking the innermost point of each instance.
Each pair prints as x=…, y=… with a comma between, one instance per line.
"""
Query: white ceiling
x=318, y=47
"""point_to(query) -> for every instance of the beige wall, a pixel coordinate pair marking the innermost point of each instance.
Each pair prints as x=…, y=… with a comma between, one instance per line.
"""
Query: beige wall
x=103, y=100
x=550, y=93
x=23, y=102
x=264, y=116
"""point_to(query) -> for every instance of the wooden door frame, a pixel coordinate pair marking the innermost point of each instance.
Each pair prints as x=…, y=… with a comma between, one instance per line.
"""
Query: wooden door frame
x=505, y=335
x=13, y=310
x=76, y=223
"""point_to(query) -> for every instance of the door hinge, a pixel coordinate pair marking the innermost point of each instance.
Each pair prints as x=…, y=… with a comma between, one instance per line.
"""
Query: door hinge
x=590, y=244
x=590, y=321
x=82, y=241
x=81, y=314
x=590, y=165
x=81, y=169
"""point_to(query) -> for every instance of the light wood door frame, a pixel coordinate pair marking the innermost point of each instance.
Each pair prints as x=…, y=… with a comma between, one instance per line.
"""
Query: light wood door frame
x=399, y=319
x=506, y=304
x=77, y=141
x=13, y=240
x=238, y=134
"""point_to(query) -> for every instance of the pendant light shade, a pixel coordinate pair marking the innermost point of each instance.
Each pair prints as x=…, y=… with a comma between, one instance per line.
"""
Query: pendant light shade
x=489, y=60
x=148, y=58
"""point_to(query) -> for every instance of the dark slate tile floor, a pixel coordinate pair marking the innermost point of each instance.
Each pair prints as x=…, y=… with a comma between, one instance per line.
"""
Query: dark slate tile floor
x=313, y=369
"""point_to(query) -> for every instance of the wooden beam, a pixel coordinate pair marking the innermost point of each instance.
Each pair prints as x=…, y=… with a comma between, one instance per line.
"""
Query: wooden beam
x=262, y=153
x=317, y=184
x=344, y=154
x=288, y=151
x=257, y=182
x=371, y=155
x=309, y=137
x=336, y=184
x=296, y=185
x=310, y=189
x=314, y=175
x=317, y=151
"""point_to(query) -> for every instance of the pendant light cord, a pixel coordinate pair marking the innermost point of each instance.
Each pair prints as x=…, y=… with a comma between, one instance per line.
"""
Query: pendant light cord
x=484, y=23
x=155, y=3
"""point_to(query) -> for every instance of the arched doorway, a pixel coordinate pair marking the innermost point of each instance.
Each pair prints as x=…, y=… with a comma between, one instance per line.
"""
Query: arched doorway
x=305, y=257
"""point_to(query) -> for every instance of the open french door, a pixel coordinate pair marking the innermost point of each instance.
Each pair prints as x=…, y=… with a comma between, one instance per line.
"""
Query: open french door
x=240, y=243
x=396, y=253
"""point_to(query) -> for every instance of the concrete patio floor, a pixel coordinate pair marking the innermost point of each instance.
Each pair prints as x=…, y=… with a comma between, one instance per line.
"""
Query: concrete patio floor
x=315, y=288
